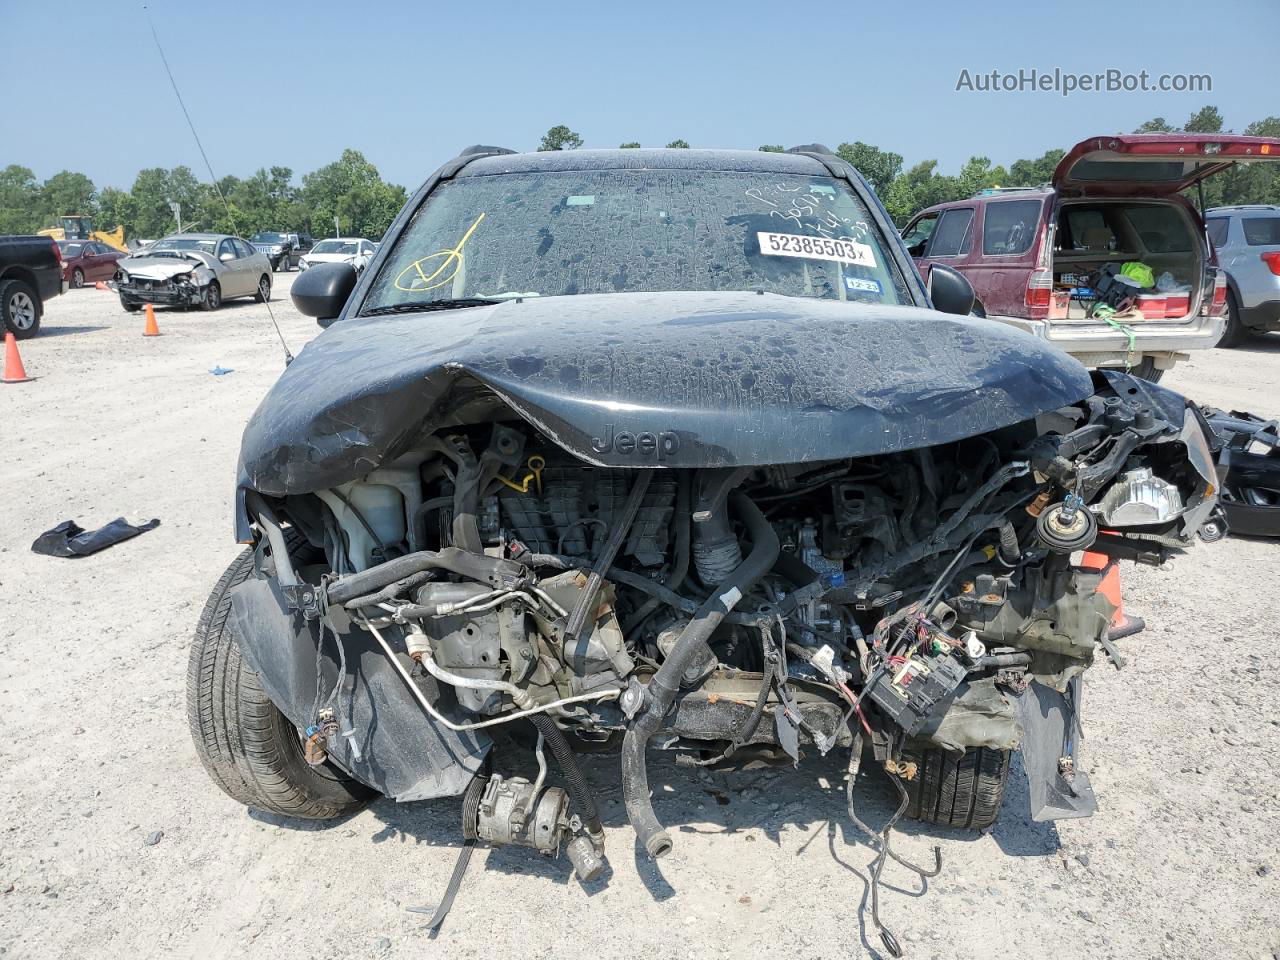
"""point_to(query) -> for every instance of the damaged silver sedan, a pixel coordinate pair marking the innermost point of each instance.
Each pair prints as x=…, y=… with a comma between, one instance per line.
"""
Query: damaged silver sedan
x=673, y=450
x=193, y=270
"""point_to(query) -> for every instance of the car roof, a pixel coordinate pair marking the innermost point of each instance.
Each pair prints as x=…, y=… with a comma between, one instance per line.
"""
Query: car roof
x=1032, y=193
x=1244, y=208
x=554, y=161
x=345, y=239
x=196, y=236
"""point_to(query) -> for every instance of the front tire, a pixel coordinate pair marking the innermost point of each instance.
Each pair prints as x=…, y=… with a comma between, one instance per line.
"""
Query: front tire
x=20, y=309
x=247, y=746
x=212, y=296
x=77, y=278
x=130, y=306
x=963, y=790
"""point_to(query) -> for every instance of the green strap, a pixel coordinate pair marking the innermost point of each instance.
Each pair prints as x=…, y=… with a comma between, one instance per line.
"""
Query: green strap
x=1107, y=315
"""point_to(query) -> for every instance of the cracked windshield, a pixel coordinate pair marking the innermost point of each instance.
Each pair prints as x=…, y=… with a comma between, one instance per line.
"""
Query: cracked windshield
x=611, y=231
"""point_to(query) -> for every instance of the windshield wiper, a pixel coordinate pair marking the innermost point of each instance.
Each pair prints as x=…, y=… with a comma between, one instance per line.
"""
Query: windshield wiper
x=422, y=306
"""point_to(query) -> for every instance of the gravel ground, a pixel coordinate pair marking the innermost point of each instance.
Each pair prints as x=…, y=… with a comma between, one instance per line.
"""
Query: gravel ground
x=114, y=842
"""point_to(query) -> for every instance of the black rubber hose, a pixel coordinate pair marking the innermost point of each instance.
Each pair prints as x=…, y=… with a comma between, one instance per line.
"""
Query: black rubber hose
x=639, y=582
x=680, y=568
x=491, y=570
x=391, y=591
x=689, y=650
x=1009, y=549
x=578, y=790
x=762, y=698
x=996, y=660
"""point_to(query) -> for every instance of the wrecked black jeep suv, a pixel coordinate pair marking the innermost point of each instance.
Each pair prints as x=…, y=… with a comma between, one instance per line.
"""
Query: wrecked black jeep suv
x=672, y=450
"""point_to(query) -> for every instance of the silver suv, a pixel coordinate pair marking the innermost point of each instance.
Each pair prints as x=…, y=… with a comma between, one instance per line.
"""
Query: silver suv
x=1247, y=239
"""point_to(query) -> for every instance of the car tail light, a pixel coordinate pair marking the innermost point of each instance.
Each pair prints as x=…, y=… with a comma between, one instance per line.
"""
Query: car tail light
x=1217, y=305
x=1272, y=259
x=1039, y=293
x=57, y=250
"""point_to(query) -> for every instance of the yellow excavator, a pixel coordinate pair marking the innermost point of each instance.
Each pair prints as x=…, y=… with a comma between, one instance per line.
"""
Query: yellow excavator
x=78, y=227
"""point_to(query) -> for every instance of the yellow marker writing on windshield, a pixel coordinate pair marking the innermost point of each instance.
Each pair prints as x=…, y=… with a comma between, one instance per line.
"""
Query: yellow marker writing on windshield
x=419, y=280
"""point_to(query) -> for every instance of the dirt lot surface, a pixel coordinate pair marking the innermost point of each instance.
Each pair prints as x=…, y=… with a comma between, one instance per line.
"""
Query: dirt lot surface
x=115, y=844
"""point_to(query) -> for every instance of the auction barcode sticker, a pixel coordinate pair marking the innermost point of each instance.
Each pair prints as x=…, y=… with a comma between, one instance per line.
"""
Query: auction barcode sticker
x=816, y=248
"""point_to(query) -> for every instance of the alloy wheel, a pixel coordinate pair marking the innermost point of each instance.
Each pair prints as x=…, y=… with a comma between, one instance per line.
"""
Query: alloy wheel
x=22, y=311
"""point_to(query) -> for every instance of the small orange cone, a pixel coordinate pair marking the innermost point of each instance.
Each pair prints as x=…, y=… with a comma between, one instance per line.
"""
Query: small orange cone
x=100, y=286
x=151, y=329
x=14, y=372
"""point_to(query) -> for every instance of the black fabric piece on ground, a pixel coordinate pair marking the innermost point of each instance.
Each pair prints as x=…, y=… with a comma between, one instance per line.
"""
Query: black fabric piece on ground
x=69, y=539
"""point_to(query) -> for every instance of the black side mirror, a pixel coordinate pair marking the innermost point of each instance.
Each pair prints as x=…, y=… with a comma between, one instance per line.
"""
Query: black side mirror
x=322, y=291
x=949, y=290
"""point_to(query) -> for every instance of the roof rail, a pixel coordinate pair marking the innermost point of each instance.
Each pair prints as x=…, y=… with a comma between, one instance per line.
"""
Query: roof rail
x=478, y=149
x=812, y=148
x=1244, y=206
x=1001, y=191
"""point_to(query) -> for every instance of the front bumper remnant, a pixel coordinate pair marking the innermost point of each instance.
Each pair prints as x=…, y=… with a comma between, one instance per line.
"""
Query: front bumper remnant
x=161, y=292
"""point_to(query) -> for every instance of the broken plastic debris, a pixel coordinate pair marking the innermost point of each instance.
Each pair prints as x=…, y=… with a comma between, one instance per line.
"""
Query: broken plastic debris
x=69, y=539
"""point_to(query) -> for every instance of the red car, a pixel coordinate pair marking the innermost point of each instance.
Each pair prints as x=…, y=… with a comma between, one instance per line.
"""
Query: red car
x=1029, y=251
x=88, y=261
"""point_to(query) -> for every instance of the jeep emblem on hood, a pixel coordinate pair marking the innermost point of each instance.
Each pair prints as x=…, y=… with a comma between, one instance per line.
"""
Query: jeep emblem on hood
x=645, y=444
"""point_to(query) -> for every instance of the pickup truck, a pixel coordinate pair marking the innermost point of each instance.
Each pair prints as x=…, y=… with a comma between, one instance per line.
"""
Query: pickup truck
x=280, y=248
x=30, y=273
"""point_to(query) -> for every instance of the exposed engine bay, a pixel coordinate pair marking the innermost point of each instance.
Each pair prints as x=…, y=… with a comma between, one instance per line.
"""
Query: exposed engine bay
x=912, y=601
x=738, y=523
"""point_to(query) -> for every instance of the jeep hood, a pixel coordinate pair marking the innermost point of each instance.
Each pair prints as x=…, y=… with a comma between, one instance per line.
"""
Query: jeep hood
x=661, y=379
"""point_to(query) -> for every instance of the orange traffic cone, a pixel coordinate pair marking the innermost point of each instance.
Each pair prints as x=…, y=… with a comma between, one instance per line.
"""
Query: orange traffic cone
x=14, y=372
x=151, y=330
x=100, y=286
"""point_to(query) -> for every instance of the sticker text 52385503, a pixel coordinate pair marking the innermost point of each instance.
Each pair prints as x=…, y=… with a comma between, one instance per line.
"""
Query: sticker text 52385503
x=816, y=248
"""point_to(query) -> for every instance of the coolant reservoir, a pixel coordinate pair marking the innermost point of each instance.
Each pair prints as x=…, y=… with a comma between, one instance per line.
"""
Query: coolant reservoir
x=382, y=509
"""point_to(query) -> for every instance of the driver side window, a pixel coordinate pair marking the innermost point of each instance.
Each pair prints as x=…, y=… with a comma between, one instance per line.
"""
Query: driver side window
x=226, y=250
x=917, y=235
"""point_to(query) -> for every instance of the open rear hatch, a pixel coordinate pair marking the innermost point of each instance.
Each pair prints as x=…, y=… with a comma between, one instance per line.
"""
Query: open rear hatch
x=1112, y=215
x=1150, y=165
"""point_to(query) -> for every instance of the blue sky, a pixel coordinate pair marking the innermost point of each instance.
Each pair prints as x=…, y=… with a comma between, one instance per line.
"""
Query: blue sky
x=409, y=84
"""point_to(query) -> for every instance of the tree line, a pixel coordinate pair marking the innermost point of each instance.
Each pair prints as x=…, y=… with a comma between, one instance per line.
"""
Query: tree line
x=352, y=189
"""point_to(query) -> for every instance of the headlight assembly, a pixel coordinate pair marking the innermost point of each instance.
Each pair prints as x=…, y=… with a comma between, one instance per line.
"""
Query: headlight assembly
x=1139, y=497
